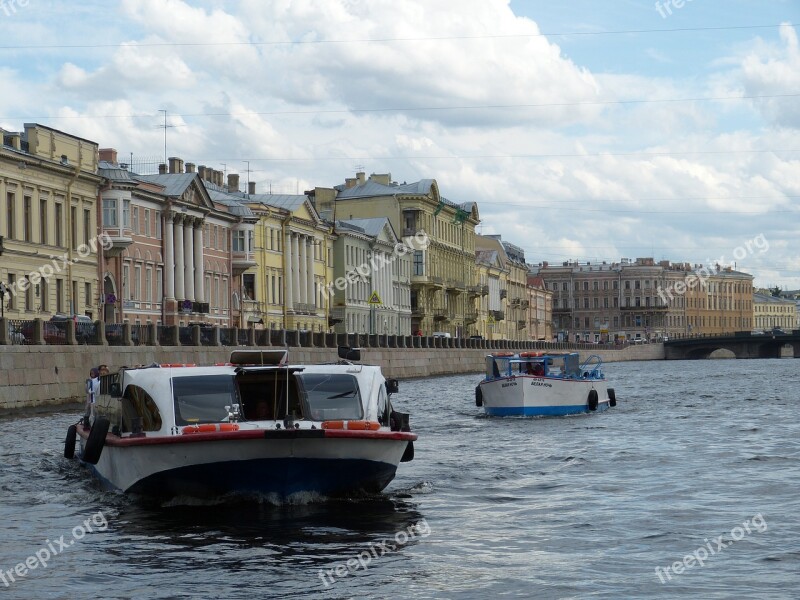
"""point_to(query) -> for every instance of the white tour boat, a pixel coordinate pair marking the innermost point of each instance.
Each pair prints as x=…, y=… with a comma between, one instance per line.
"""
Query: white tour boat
x=255, y=425
x=538, y=384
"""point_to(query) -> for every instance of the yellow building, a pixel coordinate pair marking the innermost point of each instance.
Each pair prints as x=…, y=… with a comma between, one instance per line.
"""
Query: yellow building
x=443, y=283
x=294, y=264
x=502, y=267
x=48, y=219
x=540, y=310
x=770, y=312
x=492, y=276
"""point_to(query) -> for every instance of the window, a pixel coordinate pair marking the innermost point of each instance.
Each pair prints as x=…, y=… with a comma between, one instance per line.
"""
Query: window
x=43, y=296
x=87, y=225
x=73, y=227
x=586, y=286
x=595, y=285
x=419, y=262
x=126, y=283
x=126, y=214
x=147, y=222
x=87, y=294
x=158, y=224
x=11, y=199
x=137, y=283
x=135, y=226
x=148, y=285
x=137, y=401
x=329, y=396
x=43, y=221
x=239, y=241
x=59, y=295
x=27, y=230
x=110, y=212
x=564, y=287
x=73, y=308
x=12, y=298
x=202, y=399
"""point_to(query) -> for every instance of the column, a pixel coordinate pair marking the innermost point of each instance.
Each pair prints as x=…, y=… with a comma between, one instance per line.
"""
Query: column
x=188, y=258
x=304, y=269
x=296, y=267
x=310, y=268
x=169, y=257
x=287, y=273
x=199, y=270
x=179, y=291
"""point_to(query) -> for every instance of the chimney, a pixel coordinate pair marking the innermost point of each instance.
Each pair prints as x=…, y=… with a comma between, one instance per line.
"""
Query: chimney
x=233, y=182
x=175, y=165
x=220, y=176
x=190, y=168
x=361, y=176
x=108, y=155
x=15, y=141
x=251, y=188
x=162, y=169
x=202, y=171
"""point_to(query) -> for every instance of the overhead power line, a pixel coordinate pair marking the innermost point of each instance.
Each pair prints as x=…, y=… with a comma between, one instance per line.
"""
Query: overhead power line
x=417, y=108
x=392, y=39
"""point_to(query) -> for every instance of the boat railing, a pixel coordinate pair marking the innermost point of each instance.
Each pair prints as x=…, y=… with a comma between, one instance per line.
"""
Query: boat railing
x=592, y=366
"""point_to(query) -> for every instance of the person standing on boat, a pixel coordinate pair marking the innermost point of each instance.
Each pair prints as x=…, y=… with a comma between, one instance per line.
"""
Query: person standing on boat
x=92, y=390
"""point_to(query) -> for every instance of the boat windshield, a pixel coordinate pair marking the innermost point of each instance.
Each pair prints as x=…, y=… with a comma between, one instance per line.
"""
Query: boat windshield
x=331, y=396
x=203, y=398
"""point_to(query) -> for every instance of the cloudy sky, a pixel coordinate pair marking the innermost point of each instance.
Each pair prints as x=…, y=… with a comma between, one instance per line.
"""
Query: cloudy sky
x=585, y=130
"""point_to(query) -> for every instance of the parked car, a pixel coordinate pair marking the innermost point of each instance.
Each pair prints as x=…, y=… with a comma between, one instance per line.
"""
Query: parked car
x=55, y=330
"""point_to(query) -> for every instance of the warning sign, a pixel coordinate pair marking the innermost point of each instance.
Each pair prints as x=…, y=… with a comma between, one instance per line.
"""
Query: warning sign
x=375, y=299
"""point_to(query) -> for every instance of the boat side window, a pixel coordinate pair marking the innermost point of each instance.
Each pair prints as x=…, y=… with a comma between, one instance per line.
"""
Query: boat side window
x=331, y=397
x=203, y=398
x=383, y=406
x=137, y=403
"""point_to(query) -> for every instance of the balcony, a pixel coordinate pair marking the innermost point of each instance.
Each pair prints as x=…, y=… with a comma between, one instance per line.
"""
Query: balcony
x=646, y=309
x=441, y=314
x=241, y=261
x=474, y=291
x=484, y=290
x=410, y=231
x=454, y=286
x=200, y=307
x=425, y=281
x=498, y=315
x=336, y=316
x=119, y=242
x=503, y=294
x=562, y=311
x=514, y=302
x=521, y=324
x=304, y=308
x=420, y=311
x=470, y=318
x=524, y=304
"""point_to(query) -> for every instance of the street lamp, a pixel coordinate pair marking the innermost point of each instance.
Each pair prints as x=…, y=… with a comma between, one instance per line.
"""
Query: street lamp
x=2, y=300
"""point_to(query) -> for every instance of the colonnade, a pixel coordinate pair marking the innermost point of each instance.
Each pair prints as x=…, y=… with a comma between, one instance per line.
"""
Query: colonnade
x=183, y=247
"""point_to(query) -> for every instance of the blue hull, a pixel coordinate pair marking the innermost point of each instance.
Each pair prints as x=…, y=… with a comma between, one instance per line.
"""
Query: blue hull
x=282, y=477
x=541, y=411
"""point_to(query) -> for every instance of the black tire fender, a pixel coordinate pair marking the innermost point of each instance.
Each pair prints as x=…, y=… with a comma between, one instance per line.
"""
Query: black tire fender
x=69, y=443
x=478, y=396
x=612, y=397
x=408, y=455
x=96, y=441
x=592, y=400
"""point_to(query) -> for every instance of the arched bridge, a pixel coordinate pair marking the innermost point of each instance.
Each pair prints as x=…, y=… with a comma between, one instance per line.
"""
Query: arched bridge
x=743, y=345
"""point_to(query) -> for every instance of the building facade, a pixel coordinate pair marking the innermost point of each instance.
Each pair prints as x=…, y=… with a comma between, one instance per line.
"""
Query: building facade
x=372, y=281
x=48, y=223
x=641, y=299
x=540, y=311
x=771, y=312
x=176, y=254
x=443, y=284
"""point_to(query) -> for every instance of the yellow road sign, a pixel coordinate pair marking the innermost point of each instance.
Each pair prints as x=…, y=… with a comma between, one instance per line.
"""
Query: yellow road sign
x=375, y=299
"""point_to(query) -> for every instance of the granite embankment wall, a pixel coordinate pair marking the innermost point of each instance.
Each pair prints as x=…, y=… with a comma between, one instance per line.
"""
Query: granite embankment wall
x=36, y=376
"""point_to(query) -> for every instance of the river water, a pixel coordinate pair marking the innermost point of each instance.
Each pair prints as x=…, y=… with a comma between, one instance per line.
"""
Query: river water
x=698, y=458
